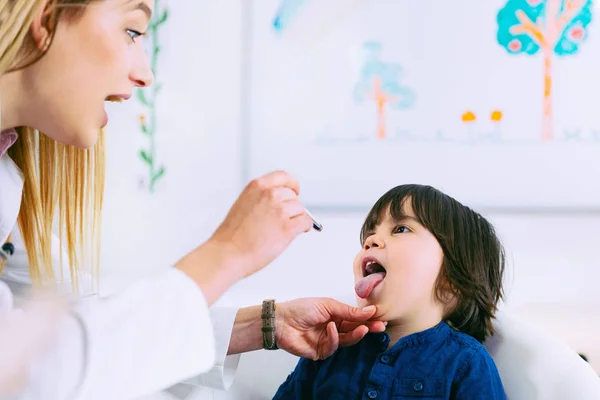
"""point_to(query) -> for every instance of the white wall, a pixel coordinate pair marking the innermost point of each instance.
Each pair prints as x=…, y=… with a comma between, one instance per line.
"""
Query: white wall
x=198, y=143
x=553, y=258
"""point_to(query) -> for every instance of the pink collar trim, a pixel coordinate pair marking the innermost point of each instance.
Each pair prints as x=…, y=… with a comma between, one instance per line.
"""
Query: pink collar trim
x=7, y=139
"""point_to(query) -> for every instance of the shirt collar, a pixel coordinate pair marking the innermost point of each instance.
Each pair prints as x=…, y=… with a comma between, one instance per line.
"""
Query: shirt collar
x=11, y=182
x=435, y=333
x=7, y=139
x=380, y=341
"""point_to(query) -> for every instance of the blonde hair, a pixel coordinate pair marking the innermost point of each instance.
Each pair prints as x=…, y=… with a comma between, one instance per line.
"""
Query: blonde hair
x=56, y=176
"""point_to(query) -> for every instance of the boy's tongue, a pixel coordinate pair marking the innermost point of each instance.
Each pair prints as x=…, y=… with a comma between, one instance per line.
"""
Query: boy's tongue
x=365, y=286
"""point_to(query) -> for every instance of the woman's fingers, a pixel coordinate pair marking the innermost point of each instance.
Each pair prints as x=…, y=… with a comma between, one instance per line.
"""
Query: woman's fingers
x=301, y=223
x=332, y=341
x=354, y=336
x=277, y=179
x=266, y=217
x=281, y=196
x=263, y=221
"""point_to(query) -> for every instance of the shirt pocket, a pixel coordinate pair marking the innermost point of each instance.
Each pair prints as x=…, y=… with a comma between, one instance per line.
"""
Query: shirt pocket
x=418, y=388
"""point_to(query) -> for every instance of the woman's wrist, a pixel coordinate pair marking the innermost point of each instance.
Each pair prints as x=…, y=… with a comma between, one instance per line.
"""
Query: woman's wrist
x=214, y=266
x=247, y=332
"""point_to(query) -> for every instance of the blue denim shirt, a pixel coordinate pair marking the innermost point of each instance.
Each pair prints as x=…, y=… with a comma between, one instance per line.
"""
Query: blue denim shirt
x=438, y=363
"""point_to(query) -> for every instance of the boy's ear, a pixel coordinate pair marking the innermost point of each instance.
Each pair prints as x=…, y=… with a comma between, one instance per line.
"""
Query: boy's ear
x=447, y=293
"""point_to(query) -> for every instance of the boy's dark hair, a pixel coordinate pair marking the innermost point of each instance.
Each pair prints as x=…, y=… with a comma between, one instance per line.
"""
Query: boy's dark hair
x=474, y=260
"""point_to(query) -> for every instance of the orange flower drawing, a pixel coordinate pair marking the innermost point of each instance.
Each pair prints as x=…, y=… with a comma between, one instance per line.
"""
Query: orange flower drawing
x=468, y=117
x=496, y=116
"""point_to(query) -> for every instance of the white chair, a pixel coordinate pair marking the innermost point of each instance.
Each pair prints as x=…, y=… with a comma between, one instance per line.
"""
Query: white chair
x=534, y=364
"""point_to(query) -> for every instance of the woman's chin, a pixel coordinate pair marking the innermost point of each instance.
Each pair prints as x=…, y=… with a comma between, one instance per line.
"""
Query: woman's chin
x=87, y=139
x=80, y=137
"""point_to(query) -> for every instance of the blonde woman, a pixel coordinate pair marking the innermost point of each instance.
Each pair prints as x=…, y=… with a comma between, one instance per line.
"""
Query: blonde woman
x=60, y=60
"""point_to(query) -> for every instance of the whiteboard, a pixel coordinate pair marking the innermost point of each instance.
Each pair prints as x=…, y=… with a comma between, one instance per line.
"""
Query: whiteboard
x=481, y=99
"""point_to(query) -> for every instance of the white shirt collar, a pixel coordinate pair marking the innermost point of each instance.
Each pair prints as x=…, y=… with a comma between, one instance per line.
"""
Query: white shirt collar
x=11, y=187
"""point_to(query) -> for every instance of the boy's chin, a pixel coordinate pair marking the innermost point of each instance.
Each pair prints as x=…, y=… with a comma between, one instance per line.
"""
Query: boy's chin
x=372, y=300
x=384, y=311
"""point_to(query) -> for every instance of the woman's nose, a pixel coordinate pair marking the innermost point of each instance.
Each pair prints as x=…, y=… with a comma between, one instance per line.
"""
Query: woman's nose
x=142, y=75
x=142, y=78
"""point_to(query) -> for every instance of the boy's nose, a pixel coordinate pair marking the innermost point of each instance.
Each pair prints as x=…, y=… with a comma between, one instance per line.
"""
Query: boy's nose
x=374, y=241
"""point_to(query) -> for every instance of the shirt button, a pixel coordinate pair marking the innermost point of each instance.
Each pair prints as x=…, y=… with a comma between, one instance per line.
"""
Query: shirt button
x=372, y=394
x=418, y=387
x=385, y=359
x=383, y=337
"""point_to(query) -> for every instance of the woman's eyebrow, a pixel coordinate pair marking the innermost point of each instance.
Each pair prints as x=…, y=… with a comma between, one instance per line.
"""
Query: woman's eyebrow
x=140, y=5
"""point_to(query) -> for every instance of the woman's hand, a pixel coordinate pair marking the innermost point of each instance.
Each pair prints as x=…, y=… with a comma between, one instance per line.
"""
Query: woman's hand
x=261, y=224
x=263, y=221
x=315, y=328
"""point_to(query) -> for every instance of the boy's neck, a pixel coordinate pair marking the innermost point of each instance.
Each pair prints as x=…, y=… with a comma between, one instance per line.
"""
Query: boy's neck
x=403, y=327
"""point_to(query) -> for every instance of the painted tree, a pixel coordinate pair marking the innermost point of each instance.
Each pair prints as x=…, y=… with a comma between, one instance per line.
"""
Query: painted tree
x=148, y=98
x=379, y=81
x=550, y=26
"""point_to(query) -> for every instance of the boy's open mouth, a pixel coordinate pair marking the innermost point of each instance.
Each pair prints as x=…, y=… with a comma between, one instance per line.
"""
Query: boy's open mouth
x=372, y=266
x=373, y=274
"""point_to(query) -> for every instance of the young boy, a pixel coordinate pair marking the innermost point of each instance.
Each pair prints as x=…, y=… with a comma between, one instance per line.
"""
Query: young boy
x=434, y=269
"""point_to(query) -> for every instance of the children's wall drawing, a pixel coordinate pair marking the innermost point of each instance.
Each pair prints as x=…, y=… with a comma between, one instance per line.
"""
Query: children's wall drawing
x=148, y=99
x=303, y=23
x=285, y=13
x=379, y=82
x=548, y=27
x=433, y=92
x=473, y=121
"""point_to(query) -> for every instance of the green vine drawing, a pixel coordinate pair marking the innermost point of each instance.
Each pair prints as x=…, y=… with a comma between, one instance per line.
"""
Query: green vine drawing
x=148, y=97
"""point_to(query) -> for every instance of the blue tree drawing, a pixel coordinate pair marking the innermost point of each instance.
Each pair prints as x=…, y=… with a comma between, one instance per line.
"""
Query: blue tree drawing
x=380, y=81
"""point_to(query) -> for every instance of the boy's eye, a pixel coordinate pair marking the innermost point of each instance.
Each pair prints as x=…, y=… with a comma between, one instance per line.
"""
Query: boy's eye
x=133, y=34
x=401, y=229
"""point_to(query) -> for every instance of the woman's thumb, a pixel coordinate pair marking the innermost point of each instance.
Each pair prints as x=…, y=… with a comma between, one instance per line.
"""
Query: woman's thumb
x=350, y=313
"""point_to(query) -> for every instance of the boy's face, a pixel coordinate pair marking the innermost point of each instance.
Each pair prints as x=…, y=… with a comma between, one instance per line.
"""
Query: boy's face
x=410, y=258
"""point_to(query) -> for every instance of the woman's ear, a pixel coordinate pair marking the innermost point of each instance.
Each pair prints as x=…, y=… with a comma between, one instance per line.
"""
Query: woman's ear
x=40, y=29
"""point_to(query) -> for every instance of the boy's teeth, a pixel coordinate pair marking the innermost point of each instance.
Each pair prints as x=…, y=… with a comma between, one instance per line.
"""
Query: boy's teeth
x=373, y=267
